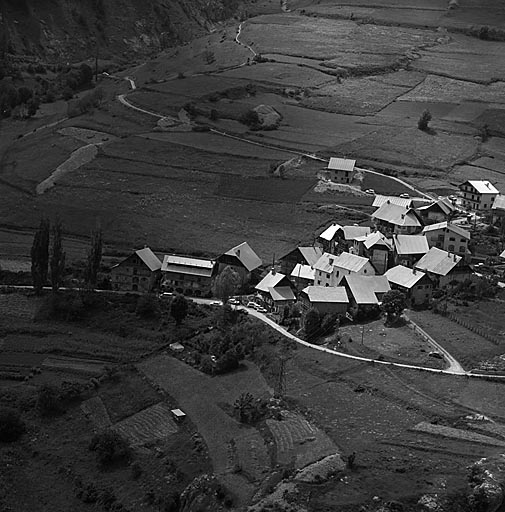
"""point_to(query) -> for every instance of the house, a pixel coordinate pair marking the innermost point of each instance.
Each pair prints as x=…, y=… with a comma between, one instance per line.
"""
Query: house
x=330, y=237
x=365, y=292
x=191, y=276
x=279, y=297
x=139, y=272
x=351, y=233
x=242, y=259
x=302, y=276
x=392, y=218
x=272, y=280
x=300, y=255
x=409, y=248
x=325, y=300
x=379, y=200
x=443, y=267
x=416, y=285
x=498, y=208
x=439, y=211
x=449, y=237
x=331, y=269
x=478, y=194
x=376, y=247
x=341, y=170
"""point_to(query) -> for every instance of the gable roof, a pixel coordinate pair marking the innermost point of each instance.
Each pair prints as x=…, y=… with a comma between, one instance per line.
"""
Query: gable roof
x=376, y=238
x=438, y=261
x=341, y=164
x=448, y=225
x=351, y=262
x=404, y=276
x=186, y=265
x=499, y=202
x=271, y=280
x=325, y=263
x=337, y=294
x=482, y=186
x=246, y=256
x=282, y=293
x=397, y=215
x=303, y=272
x=444, y=204
x=365, y=288
x=502, y=255
x=379, y=200
x=411, y=244
x=150, y=259
x=311, y=254
x=330, y=232
x=353, y=232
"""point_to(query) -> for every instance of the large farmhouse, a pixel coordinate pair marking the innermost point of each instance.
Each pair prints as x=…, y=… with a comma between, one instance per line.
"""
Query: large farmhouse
x=191, y=276
x=478, y=194
x=139, y=272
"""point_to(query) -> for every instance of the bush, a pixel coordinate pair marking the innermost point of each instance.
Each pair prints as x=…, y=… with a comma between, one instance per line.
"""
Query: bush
x=148, y=306
x=251, y=119
x=424, y=120
x=11, y=425
x=110, y=447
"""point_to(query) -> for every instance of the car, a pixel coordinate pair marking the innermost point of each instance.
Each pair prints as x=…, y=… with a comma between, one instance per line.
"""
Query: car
x=370, y=191
x=216, y=303
x=404, y=196
x=261, y=309
x=252, y=305
x=164, y=295
x=436, y=355
x=234, y=302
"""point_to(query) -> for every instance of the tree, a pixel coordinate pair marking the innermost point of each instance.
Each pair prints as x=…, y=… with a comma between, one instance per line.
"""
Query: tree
x=94, y=257
x=179, y=309
x=312, y=323
x=243, y=406
x=11, y=425
x=226, y=284
x=40, y=255
x=148, y=306
x=24, y=94
x=32, y=106
x=86, y=74
x=424, y=120
x=393, y=303
x=57, y=256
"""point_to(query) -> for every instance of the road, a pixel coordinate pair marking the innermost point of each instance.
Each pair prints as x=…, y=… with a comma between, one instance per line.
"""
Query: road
x=454, y=368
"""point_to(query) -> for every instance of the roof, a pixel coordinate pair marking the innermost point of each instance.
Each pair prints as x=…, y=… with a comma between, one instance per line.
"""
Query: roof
x=271, y=280
x=397, y=215
x=438, y=261
x=447, y=225
x=185, y=265
x=325, y=262
x=149, y=258
x=502, y=255
x=411, y=244
x=376, y=238
x=443, y=204
x=303, y=271
x=353, y=232
x=282, y=293
x=341, y=164
x=482, y=186
x=365, y=288
x=379, y=200
x=499, y=202
x=404, y=276
x=330, y=232
x=246, y=256
x=336, y=294
x=351, y=262
x=311, y=254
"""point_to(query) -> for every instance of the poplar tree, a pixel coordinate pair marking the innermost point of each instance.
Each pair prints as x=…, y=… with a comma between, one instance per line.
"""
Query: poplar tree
x=40, y=255
x=57, y=256
x=94, y=257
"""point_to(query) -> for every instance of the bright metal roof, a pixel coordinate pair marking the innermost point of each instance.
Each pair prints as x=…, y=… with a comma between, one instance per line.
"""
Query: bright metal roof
x=330, y=232
x=404, y=276
x=282, y=293
x=246, y=256
x=336, y=294
x=482, y=186
x=365, y=288
x=303, y=271
x=351, y=262
x=311, y=254
x=187, y=265
x=411, y=244
x=397, y=215
x=326, y=262
x=499, y=203
x=448, y=225
x=149, y=258
x=269, y=281
x=353, y=232
x=376, y=238
x=438, y=262
x=379, y=200
x=341, y=164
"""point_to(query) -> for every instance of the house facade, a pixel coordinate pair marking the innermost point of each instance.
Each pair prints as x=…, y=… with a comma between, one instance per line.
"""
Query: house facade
x=300, y=255
x=242, y=259
x=448, y=237
x=478, y=195
x=187, y=275
x=441, y=210
x=416, y=285
x=139, y=272
x=365, y=293
x=331, y=269
x=394, y=219
x=341, y=170
x=329, y=238
x=325, y=300
x=408, y=249
x=377, y=248
x=302, y=276
x=443, y=268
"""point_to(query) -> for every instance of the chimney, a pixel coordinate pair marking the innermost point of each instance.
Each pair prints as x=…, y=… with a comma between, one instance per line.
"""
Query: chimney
x=414, y=270
x=403, y=215
x=454, y=257
x=273, y=271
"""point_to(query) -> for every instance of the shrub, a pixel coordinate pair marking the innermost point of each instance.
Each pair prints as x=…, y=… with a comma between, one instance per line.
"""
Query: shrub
x=67, y=93
x=48, y=400
x=110, y=447
x=251, y=119
x=148, y=306
x=424, y=120
x=11, y=425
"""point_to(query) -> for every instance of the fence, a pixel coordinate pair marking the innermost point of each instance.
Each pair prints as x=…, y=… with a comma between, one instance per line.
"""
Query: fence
x=475, y=328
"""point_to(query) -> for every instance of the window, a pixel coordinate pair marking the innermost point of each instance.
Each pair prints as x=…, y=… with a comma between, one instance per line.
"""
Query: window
x=326, y=284
x=364, y=271
x=135, y=271
x=451, y=248
x=462, y=240
x=461, y=248
x=319, y=281
x=452, y=239
x=485, y=206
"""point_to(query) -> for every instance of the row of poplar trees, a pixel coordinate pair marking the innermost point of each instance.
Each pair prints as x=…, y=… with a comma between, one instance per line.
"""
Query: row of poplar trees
x=51, y=263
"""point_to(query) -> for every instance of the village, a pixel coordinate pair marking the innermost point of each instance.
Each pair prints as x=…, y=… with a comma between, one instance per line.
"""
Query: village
x=417, y=245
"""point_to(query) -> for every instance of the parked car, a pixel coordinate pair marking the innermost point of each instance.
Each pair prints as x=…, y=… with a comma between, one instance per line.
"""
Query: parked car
x=252, y=305
x=216, y=303
x=370, y=191
x=234, y=302
x=436, y=355
x=164, y=295
x=405, y=196
x=261, y=309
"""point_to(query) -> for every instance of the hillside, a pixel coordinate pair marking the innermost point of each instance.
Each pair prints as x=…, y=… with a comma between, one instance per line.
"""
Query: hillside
x=56, y=30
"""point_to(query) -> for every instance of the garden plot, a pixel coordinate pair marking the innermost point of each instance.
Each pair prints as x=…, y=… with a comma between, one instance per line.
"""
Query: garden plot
x=18, y=305
x=86, y=135
x=95, y=411
x=414, y=109
x=89, y=367
x=495, y=147
x=466, y=112
x=450, y=90
x=298, y=442
x=152, y=424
